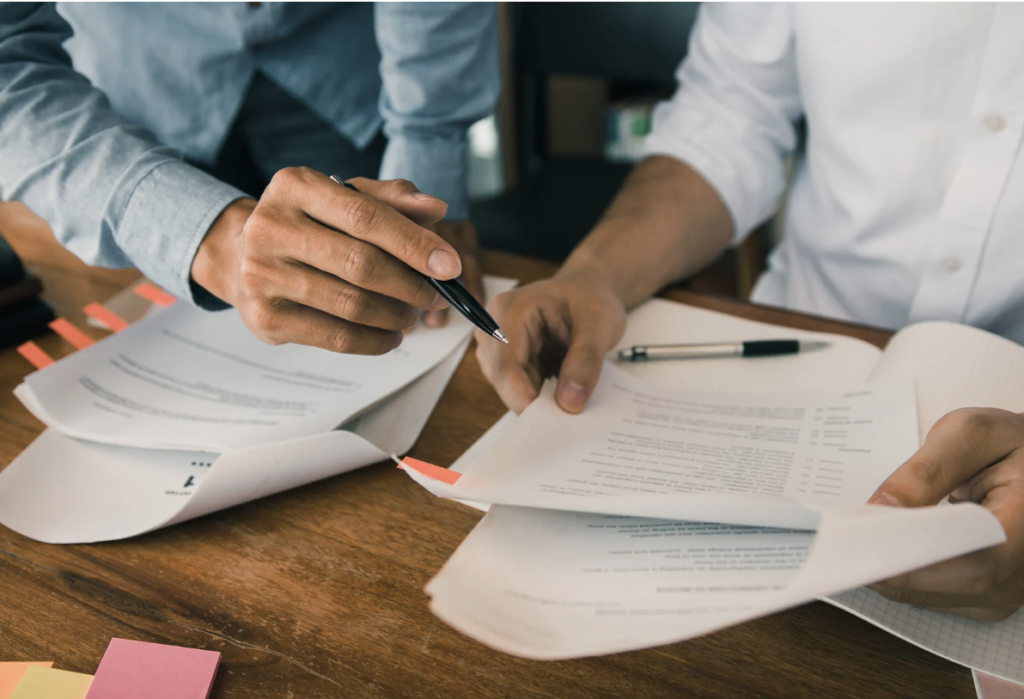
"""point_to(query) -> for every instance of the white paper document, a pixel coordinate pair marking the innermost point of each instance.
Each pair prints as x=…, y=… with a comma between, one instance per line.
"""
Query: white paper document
x=556, y=583
x=186, y=379
x=639, y=449
x=67, y=490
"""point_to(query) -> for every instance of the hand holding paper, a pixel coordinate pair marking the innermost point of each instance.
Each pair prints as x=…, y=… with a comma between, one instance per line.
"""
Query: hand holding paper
x=975, y=455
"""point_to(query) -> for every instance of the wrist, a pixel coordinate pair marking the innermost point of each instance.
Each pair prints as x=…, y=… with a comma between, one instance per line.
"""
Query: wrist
x=216, y=260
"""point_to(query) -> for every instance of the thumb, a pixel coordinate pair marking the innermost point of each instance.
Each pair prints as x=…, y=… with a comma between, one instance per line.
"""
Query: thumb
x=405, y=198
x=959, y=445
x=581, y=367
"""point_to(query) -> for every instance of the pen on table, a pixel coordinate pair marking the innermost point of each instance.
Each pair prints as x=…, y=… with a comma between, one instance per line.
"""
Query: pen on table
x=457, y=295
x=753, y=348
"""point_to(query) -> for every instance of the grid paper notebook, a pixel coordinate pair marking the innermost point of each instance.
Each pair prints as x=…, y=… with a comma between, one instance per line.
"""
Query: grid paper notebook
x=997, y=649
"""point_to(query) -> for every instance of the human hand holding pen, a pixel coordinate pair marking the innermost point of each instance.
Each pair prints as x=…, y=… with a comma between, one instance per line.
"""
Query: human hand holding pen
x=317, y=264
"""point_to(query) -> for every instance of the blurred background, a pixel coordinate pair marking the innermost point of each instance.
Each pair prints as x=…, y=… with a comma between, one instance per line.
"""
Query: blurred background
x=580, y=81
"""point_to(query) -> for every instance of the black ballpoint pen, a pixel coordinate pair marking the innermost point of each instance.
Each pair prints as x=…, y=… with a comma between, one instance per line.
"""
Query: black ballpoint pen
x=457, y=295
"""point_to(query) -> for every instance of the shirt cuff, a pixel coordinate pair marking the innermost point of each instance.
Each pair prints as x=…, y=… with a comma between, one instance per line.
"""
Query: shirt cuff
x=436, y=166
x=166, y=218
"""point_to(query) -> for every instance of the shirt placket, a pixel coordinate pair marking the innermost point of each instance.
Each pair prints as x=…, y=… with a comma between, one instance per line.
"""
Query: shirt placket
x=953, y=257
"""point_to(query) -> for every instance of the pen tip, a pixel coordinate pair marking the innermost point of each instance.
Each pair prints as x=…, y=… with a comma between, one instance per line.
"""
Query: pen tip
x=498, y=335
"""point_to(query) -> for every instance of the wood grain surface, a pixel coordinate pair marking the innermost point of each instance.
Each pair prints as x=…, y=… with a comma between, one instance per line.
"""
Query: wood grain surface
x=318, y=592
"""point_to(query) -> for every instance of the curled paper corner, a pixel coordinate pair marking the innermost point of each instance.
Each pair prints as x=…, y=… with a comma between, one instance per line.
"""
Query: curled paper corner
x=423, y=468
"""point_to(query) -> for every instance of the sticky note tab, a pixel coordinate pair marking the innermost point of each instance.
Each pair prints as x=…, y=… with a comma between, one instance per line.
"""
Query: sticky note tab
x=154, y=295
x=133, y=669
x=430, y=470
x=11, y=674
x=70, y=333
x=35, y=355
x=106, y=316
x=47, y=683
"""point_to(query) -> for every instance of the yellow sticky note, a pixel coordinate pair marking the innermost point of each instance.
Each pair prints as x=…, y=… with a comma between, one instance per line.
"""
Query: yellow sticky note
x=47, y=683
x=11, y=674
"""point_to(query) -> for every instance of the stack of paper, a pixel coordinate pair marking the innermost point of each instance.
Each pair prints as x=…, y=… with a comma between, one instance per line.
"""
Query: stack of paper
x=668, y=510
x=184, y=413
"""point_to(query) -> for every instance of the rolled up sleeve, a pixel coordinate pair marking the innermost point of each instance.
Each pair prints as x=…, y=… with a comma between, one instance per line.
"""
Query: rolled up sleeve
x=732, y=117
x=112, y=194
x=440, y=74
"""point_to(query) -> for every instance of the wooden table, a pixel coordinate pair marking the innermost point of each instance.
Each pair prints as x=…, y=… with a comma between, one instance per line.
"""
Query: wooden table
x=318, y=592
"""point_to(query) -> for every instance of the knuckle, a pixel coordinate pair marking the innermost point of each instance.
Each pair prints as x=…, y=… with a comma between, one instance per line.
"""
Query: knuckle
x=342, y=340
x=351, y=303
x=263, y=321
x=362, y=265
x=403, y=186
x=361, y=213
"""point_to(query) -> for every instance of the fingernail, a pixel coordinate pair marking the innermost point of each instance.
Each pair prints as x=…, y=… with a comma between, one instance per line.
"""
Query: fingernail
x=434, y=319
x=423, y=196
x=443, y=264
x=885, y=499
x=571, y=396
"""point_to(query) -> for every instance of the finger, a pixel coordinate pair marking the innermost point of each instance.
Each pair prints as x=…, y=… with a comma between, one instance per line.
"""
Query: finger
x=362, y=216
x=403, y=195
x=358, y=263
x=325, y=292
x=961, y=444
x=981, y=571
x=283, y=322
x=436, y=319
x=590, y=341
x=509, y=367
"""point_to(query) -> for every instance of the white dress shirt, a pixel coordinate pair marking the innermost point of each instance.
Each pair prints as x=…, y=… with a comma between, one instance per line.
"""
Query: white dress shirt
x=908, y=204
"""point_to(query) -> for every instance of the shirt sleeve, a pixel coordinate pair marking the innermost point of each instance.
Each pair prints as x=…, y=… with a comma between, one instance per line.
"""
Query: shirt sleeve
x=440, y=73
x=112, y=194
x=732, y=117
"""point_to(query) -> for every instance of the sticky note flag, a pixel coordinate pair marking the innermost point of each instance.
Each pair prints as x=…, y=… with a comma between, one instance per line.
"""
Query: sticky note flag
x=154, y=295
x=35, y=355
x=11, y=674
x=106, y=316
x=47, y=683
x=133, y=670
x=430, y=470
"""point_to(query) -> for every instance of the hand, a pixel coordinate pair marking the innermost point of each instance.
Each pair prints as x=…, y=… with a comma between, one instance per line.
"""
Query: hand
x=315, y=263
x=462, y=236
x=564, y=327
x=972, y=455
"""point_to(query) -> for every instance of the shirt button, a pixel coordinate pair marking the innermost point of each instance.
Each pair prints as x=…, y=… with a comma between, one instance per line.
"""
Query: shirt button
x=995, y=123
x=951, y=264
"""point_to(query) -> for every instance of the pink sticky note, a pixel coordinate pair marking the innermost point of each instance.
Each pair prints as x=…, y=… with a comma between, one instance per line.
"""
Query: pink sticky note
x=133, y=669
x=11, y=674
x=990, y=687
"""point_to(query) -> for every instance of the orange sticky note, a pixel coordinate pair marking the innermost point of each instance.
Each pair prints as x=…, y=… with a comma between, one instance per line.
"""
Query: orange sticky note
x=430, y=470
x=35, y=355
x=154, y=295
x=106, y=316
x=70, y=333
x=11, y=674
x=47, y=683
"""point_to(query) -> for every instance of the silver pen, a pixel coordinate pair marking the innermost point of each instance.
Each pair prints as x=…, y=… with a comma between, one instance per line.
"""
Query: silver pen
x=754, y=348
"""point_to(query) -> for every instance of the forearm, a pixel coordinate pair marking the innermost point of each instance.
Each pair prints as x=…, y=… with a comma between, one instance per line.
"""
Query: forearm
x=665, y=224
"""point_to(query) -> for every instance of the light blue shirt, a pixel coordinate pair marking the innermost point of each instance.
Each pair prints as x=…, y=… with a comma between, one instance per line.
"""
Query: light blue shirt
x=118, y=194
